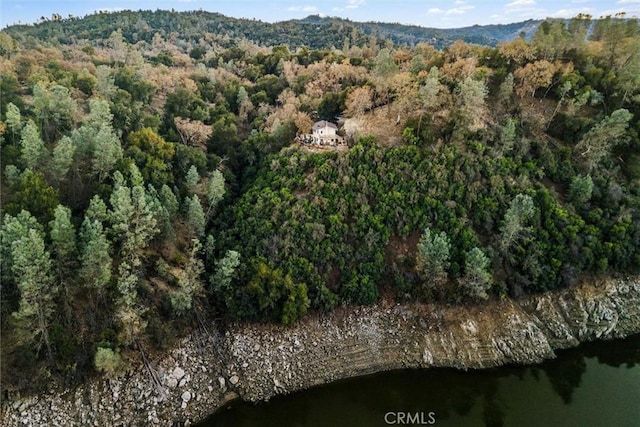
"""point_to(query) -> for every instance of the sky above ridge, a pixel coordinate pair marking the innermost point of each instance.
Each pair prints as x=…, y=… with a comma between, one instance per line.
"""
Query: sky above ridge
x=426, y=13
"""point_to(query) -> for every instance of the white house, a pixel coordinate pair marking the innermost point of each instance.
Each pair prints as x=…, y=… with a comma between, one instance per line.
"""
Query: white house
x=324, y=133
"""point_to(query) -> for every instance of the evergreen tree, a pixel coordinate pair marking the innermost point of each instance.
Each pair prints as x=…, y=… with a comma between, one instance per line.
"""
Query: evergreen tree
x=13, y=120
x=477, y=278
x=242, y=96
x=471, y=96
x=105, y=86
x=62, y=158
x=97, y=210
x=597, y=144
x=108, y=151
x=505, y=91
x=507, y=137
x=34, y=153
x=580, y=190
x=192, y=179
x=432, y=257
x=32, y=272
x=13, y=229
x=225, y=268
x=133, y=222
x=196, y=220
x=384, y=65
x=63, y=239
x=520, y=211
x=12, y=175
x=131, y=215
x=55, y=109
x=95, y=258
x=169, y=201
x=100, y=115
x=188, y=281
x=430, y=90
x=215, y=191
x=128, y=310
x=34, y=194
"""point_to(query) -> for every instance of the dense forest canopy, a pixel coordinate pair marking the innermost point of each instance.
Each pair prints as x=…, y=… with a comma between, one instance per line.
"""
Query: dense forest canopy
x=314, y=31
x=150, y=178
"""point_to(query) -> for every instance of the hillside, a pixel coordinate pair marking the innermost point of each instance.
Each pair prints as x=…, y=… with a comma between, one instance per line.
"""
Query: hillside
x=411, y=35
x=151, y=178
x=314, y=32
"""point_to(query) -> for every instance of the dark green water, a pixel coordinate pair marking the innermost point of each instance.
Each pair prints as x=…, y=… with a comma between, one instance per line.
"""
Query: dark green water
x=597, y=384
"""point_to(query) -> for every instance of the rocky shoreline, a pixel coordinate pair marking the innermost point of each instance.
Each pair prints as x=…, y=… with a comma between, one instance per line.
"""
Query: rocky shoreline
x=256, y=362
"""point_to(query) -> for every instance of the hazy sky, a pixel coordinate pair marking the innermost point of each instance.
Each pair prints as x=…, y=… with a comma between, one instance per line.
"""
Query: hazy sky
x=429, y=13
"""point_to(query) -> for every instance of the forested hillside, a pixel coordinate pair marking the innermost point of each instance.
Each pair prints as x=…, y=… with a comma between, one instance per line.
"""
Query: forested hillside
x=151, y=182
x=314, y=31
x=410, y=35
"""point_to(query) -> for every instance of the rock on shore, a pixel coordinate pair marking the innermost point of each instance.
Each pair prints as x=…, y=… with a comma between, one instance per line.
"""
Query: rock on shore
x=256, y=362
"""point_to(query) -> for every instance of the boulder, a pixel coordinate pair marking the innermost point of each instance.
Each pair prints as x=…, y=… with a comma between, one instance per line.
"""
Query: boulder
x=178, y=373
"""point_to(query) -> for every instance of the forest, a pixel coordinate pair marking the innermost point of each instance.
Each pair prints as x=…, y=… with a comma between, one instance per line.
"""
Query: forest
x=150, y=182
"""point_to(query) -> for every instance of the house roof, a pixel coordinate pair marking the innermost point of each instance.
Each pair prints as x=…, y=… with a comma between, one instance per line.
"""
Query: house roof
x=322, y=124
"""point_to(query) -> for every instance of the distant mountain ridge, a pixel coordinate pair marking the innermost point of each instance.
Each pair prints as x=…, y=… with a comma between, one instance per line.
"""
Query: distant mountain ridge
x=488, y=35
x=310, y=31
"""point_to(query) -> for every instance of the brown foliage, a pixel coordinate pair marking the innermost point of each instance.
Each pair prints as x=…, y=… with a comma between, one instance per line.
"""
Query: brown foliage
x=193, y=132
x=533, y=76
x=359, y=101
x=518, y=51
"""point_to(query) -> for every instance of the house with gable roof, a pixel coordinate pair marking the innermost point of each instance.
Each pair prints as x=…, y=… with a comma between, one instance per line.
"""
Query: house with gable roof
x=325, y=133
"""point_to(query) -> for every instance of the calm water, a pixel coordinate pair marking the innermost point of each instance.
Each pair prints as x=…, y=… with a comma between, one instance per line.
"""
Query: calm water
x=597, y=384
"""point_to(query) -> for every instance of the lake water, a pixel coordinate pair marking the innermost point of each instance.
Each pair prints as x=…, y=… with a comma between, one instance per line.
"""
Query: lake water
x=597, y=384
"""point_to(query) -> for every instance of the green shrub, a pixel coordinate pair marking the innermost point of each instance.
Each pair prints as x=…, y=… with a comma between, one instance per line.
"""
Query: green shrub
x=109, y=362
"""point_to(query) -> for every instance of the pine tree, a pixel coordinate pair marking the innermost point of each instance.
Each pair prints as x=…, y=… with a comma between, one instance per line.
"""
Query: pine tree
x=384, y=64
x=13, y=229
x=477, y=279
x=63, y=239
x=507, y=137
x=220, y=281
x=192, y=179
x=580, y=190
x=429, y=92
x=432, y=258
x=196, y=220
x=34, y=153
x=108, y=151
x=55, y=109
x=13, y=119
x=242, y=95
x=169, y=201
x=133, y=222
x=128, y=311
x=121, y=207
x=105, y=81
x=32, y=272
x=521, y=209
x=97, y=210
x=215, y=191
x=471, y=96
x=161, y=214
x=188, y=281
x=505, y=91
x=99, y=114
x=12, y=175
x=95, y=258
x=131, y=215
x=62, y=158
x=597, y=144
